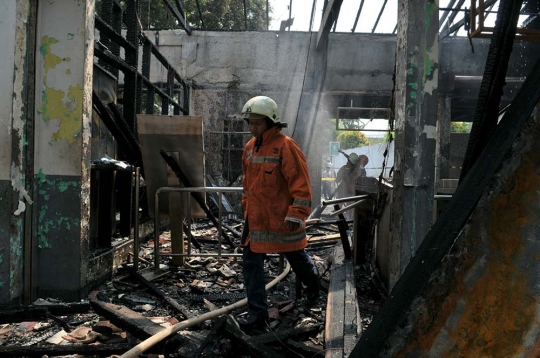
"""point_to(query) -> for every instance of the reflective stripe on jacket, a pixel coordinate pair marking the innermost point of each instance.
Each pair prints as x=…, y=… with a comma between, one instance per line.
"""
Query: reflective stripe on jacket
x=276, y=190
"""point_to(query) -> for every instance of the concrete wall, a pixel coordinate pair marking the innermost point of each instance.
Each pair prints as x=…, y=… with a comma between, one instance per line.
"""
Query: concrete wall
x=228, y=68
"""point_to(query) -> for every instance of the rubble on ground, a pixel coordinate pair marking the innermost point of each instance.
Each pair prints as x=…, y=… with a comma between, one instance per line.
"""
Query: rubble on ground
x=129, y=308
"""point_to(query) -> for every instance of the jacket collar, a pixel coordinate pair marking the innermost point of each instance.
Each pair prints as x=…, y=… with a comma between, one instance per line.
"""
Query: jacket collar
x=270, y=134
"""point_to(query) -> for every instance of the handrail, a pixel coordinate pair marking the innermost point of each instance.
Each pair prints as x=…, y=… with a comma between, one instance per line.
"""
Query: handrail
x=168, y=189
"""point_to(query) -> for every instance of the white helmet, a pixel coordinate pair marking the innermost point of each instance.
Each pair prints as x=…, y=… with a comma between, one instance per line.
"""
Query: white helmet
x=262, y=107
x=353, y=158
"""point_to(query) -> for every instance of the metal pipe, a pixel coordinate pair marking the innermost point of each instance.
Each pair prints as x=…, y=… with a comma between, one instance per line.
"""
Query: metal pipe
x=136, y=220
x=220, y=200
x=158, y=337
x=200, y=14
x=245, y=15
x=446, y=12
x=156, y=230
x=267, y=17
x=346, y=208
x=441, y=196
x=290, y=13
x=358, y=15
x=187, y=198
x=379, y=17
x=344, y=200
x=312, y=15
x=199, y=255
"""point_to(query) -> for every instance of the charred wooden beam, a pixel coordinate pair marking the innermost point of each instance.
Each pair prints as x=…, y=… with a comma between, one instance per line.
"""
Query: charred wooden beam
x=62, y=350
x=303, y=349
x=62, y=323
x=133, y=322
x=443, y=233
x=255, y=348
x=273, y=337
x=181, y=19
x=118, y=129
x=218, y=325
x=158, y=292
x=330, y=15
x=106, y=29
x=37, y=312
x=379, y=17
x=489, y=99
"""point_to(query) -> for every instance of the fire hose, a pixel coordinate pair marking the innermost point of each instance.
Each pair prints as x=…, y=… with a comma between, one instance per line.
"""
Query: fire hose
x=158, y=337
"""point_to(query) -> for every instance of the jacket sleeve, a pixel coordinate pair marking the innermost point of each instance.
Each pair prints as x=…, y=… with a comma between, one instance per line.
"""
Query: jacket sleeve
x=296, y=173
x=244, y=183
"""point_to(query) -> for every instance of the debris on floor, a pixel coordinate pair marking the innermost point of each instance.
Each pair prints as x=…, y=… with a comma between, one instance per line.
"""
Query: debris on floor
x=131, y=307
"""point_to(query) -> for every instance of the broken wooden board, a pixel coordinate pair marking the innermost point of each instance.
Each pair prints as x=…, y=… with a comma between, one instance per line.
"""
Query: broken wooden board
x=342, y=315
x=136, y=324
x=57, y=350
x=36, y=312
x=152, y=274
x=158, y=292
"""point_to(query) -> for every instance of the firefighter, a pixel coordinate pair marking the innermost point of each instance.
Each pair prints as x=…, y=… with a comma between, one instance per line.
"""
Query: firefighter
x=276, y=201
x=346, y=176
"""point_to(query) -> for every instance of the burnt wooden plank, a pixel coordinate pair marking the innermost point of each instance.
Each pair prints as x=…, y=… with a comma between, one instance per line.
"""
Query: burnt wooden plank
x=218, y=325
x=12, y=314
x=136, y=324
x=335, y=309
x=351, y=319
x=56, y=350
x=280, y=336
x=158, y=292
x=246, y=342
x=303, y=349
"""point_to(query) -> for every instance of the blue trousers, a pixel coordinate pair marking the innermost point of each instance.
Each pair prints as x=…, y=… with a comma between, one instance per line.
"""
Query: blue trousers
x=253, y=267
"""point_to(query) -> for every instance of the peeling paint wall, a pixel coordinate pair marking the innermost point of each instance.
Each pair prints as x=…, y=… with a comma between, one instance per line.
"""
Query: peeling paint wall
x=7, y=23
x=417, y=78
x=14, y=198
x=60, y=82
x=484, y=301
x=64, y=65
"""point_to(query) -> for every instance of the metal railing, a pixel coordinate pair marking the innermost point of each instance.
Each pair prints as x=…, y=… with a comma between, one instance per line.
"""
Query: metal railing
x=166, y=189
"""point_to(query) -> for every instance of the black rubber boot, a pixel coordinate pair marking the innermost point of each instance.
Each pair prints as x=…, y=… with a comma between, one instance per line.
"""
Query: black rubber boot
x=250, y=322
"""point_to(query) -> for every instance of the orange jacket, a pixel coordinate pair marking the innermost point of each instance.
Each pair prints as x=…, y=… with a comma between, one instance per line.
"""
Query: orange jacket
x=276, y=189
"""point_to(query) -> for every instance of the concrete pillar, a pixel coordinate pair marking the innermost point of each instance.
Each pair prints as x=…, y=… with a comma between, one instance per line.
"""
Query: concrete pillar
x=444, y=120
x=64, y=57
x=14, y=200
x=416, y=112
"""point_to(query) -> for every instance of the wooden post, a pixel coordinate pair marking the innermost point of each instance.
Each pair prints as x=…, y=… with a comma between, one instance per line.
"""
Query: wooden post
x=176, y=216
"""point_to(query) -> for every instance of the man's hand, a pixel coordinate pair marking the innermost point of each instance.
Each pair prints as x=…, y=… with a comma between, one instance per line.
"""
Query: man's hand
x=292, y=226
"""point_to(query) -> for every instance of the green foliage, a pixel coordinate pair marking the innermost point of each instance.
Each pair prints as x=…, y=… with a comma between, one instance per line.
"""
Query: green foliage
x=460, y=127
x=352, y=139
x=216, y=14
x=388, y=136
x=348, y=123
